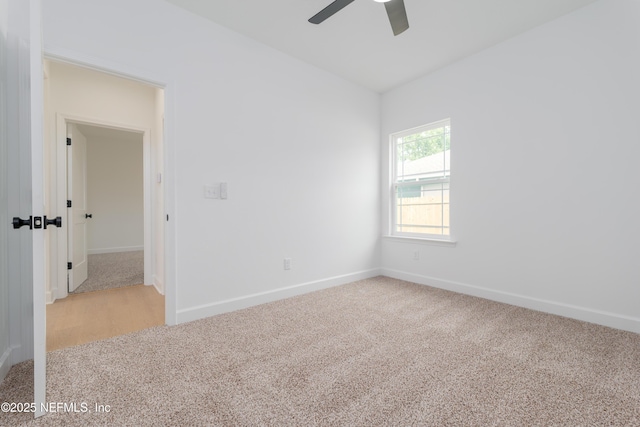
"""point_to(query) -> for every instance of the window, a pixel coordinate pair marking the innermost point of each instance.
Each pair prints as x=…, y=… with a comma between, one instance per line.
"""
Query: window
x=420, y=181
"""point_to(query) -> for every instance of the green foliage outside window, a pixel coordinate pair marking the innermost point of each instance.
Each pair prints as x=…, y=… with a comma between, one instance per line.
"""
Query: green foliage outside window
x=425, y=143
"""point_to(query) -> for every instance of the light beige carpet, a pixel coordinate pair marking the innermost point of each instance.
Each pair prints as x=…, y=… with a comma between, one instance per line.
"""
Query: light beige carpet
x=371, y=353
x=113, y=270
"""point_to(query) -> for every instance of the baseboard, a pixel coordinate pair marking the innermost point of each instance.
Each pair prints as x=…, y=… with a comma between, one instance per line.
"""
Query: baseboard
x=208, y=310
x=114, y=250
x=157, y=283
x=49, y=297
x=612, y=320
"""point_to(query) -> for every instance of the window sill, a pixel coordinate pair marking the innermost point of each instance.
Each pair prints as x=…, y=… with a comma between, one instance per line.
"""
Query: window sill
x=425, y=240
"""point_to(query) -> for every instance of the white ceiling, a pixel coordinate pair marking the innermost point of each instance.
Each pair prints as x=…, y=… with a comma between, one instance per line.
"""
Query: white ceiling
x=357, y=42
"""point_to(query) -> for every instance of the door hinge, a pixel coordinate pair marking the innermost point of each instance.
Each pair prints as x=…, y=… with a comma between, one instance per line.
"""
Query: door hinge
x=68, y=203
x=69, y=266
x=68, y=141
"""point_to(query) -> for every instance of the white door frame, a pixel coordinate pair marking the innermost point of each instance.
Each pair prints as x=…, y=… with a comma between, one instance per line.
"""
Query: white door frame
x=75, y=58
x=62, y=121
x=36, y=93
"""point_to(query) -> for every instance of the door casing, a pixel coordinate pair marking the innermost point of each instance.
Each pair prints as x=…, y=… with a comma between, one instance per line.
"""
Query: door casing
x=76, y=169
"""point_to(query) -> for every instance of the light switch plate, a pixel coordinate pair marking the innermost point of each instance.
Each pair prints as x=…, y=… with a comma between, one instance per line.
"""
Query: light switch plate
x=212, y=191
x=223, y=190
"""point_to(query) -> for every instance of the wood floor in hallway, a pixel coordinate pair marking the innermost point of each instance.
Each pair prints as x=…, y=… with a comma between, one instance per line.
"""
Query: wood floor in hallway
x=94, y=316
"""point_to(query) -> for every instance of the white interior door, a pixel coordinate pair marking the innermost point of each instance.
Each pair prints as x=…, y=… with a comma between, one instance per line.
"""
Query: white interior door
x=5, y=209
x=22, y=250
x=77, y=193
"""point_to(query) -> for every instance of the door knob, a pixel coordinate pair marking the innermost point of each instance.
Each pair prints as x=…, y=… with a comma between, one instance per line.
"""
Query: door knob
x=57, y=221
x=19, y=222
x=88, y=215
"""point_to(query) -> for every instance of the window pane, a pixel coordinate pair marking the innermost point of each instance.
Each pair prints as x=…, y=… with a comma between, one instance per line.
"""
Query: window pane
x=423, y=155
x=421, y=160
x=426, y=213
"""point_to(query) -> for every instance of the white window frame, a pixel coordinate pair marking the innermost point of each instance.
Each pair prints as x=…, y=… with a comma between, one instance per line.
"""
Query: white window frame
x=393, y=226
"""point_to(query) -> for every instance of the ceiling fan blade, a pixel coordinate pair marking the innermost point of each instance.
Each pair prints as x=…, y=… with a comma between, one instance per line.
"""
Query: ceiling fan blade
x=397, y=16
x=328, y=11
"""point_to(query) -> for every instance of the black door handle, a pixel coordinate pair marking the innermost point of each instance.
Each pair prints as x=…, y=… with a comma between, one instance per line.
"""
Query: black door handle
x=88, y=215
x=18, y=222
x=57, y=221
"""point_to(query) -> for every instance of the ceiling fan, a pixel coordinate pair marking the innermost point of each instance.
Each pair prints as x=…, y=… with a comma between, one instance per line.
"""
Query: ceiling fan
x=395, y=9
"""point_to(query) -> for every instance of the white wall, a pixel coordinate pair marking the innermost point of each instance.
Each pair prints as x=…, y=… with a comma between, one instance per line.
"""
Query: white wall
x=115, y=193
x=297, y=146
x=544, y=201
x=82, y=93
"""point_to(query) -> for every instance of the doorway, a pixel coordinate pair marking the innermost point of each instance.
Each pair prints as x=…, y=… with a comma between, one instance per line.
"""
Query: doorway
x=106, y=233
x=112, y=202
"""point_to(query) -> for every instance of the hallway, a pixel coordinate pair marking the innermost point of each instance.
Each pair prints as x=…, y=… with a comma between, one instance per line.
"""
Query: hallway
x=94, y=316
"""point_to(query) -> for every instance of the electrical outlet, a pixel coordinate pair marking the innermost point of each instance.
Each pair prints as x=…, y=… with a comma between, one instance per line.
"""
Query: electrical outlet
x=287, y=263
